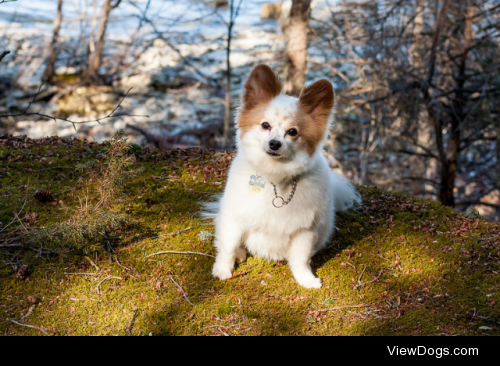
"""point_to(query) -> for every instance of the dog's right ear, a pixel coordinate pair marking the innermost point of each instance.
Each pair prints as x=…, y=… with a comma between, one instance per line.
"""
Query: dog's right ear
x=262, y=86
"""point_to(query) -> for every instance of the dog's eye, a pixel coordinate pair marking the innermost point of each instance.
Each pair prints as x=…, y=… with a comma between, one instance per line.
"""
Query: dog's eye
x=266, y=126
x=292, y=132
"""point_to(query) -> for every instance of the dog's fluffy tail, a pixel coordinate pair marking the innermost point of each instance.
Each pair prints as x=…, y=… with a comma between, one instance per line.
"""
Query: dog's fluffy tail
x=211, y=209
x=345, y=194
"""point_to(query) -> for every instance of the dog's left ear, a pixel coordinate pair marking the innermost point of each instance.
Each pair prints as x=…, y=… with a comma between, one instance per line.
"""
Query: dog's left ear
x=317, y=101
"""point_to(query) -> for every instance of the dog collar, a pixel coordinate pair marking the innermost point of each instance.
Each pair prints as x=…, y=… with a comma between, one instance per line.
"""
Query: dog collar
x=257, y=186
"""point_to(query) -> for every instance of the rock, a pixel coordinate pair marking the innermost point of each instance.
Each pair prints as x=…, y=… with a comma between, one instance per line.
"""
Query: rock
x=93, y=90
x=66, y=71
x=139, y=82
x=88, y=100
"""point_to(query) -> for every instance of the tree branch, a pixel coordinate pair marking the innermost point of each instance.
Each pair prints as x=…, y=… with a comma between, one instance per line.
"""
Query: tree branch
x=430, y=181
x=4, y=53
x=473, y=203
x=74, y=123
x=408, y=152
x=116, y=5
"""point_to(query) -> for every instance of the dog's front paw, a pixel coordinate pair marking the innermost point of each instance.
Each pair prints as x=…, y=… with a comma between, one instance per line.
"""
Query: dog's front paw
x=311, y=283
x=221, y=272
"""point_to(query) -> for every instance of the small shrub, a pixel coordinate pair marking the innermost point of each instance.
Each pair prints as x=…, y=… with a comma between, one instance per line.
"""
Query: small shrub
x=94, y=217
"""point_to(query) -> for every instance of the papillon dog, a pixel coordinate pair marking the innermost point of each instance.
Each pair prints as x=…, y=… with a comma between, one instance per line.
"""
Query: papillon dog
x=281, y=196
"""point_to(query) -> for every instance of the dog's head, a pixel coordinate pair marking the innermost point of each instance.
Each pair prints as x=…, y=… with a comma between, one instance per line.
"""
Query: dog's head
x=279, y=134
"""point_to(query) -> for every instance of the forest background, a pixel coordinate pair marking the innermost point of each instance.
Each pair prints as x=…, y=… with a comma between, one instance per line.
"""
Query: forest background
x=416, y=80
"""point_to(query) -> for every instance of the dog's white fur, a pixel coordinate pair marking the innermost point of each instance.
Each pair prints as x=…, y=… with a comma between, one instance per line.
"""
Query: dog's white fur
x=294, y=232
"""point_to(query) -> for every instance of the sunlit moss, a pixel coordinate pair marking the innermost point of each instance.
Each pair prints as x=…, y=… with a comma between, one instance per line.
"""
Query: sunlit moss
x=417, y=265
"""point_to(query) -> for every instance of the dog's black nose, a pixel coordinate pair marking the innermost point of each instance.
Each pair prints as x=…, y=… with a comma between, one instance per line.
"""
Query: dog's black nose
x=274, y=145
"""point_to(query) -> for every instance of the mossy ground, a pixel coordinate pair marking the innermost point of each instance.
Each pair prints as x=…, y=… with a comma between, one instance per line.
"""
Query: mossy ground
x=416, y=266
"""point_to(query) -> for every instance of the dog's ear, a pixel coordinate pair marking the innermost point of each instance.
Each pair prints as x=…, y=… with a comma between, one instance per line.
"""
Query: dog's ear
x=317, y=101
x=261, y=87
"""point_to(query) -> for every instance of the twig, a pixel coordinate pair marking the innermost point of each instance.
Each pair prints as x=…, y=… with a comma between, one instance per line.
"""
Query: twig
x=14, y=219
x=180, y=288
x=171, y=252
x=328, y=66
x=73, y=299
x=359, y=279
x=29, y=326
x=27, y=153
x=388, y=260
x=223, y=333
x=98, y=287
x=3, y=54
x=74, y=123
x=366, y=283
x=11, y=246
x=92, y=263
x=486, y=239
x=340, y=307
x=40, y=251
x=237, y=275
x=491, y=320
x=18, y=219
x=176, y=233
x=118, y=262
x=352, y=265
x=30, y=311
x=224, y=326
x=129, y=329
x=81, y=274
x=51, y=168
x=57, y=194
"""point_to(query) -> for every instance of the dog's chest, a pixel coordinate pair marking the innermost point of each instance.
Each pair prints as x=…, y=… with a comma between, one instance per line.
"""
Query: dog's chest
x=262, y=207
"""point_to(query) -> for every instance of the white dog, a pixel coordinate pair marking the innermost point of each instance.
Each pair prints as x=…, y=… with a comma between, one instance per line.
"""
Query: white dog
x=281, y=196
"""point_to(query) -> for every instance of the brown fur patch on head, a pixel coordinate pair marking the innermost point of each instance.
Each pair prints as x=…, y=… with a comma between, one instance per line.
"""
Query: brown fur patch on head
x=261, y=87
x=248, y=118
x=315, y=106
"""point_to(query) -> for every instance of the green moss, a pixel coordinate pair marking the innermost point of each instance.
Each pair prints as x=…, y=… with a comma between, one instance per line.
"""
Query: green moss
x=417, y=265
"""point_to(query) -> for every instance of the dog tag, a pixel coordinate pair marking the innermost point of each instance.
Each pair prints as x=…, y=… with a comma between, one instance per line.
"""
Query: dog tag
x=256, y=185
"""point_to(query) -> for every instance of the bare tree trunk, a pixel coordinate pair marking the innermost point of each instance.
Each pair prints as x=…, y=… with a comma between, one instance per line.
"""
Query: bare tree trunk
x=234, y=11
x=457, y=114
x=445, y=178
x=498, y=162
x=227, y=114
x=295, y=69
x=420, y=166
x=95, y=58
x=54, y=46
x=418, y=28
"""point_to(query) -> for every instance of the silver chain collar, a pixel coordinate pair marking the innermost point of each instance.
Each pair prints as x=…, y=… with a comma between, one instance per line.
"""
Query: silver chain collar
x=283, y=202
